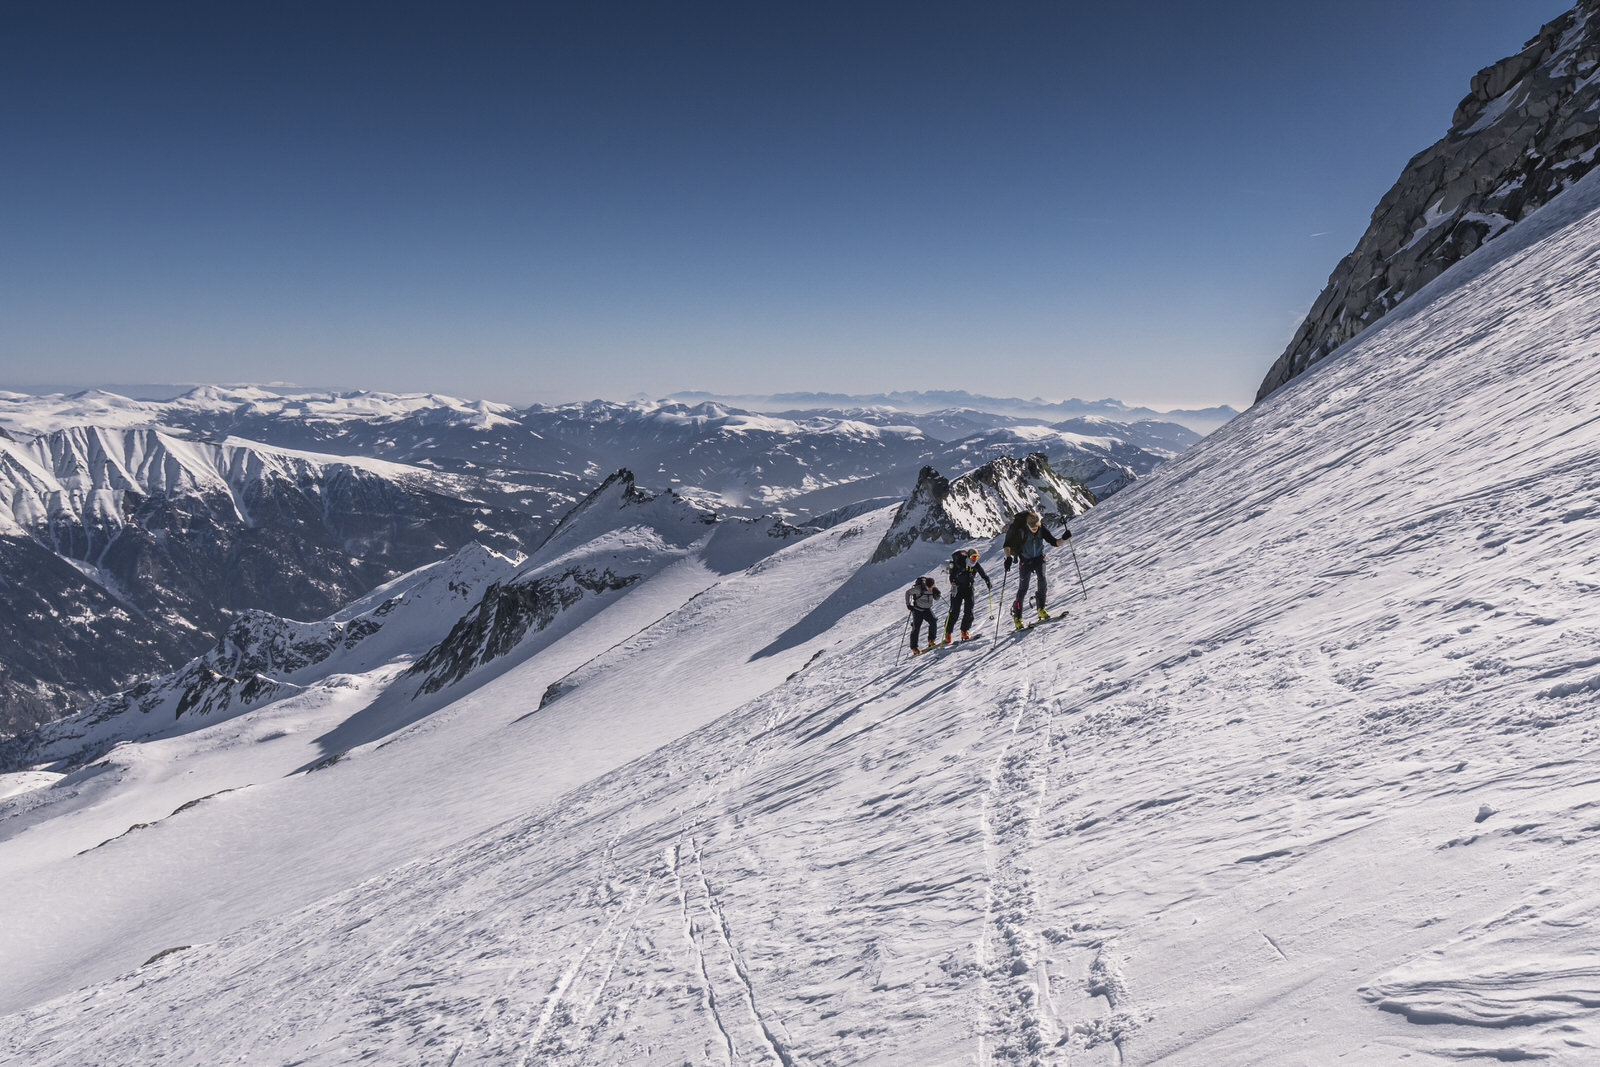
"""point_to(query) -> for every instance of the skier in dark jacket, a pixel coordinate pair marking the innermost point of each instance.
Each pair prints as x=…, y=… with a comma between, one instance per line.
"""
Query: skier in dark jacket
x=964, y=571
x=919, y=601
x=1025, y=541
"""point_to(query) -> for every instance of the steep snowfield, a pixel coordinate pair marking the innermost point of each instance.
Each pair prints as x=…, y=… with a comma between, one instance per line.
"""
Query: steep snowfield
x=1310, y=778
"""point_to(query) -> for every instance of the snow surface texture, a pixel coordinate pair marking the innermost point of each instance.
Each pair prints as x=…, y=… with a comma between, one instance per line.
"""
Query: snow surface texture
x=1308, y=779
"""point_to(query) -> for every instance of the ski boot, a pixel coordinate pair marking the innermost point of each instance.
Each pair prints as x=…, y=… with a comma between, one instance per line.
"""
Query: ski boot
x=1016, y=623
x=965, y=636
x=1044, y=616
x=947, y=639
x=915, y=651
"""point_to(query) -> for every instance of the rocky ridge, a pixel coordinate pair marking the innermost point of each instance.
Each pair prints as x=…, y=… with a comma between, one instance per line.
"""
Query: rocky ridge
x=615, y=537
x=978, y=504
x=1528, y=129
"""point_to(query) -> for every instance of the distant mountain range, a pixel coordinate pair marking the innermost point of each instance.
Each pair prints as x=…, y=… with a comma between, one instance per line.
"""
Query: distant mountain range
x=147, y=528
x=1200, y=420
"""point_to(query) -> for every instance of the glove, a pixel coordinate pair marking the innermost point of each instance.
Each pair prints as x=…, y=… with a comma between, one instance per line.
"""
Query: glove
x=1009, y=561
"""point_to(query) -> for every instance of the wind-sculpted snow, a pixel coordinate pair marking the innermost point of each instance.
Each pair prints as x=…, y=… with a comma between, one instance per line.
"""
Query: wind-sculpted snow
x=1303, y=779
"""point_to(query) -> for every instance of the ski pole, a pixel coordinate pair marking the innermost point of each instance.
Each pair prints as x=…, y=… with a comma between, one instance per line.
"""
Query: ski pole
x=902, y=639
x=1074, y=552
x=1003, y=577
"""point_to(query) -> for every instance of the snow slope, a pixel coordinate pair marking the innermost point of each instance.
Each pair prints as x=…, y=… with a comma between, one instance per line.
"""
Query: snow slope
x=1309, y=778
x=190, y=835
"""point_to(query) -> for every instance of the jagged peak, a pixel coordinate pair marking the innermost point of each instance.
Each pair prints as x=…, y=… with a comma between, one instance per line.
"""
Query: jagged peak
x=978, y=504
x=620, y=501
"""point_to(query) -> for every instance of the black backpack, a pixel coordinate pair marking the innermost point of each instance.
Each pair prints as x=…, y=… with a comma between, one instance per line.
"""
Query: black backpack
x=961, y=570
x=1017, y=531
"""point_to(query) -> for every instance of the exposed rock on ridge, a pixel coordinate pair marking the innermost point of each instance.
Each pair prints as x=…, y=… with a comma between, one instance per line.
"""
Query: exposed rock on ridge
x=613, y=538
x=1528, y=129
x=499, y=622
x=980, y=503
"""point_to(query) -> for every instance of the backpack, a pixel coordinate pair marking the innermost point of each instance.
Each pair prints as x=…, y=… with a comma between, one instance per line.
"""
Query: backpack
x=961, y=570
x=1017, y=531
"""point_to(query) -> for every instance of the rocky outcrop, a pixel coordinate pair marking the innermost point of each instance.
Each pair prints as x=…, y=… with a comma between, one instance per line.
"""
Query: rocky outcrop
x=1528, y=129
x=980, y=503
x=500, y=621
x=64, y=636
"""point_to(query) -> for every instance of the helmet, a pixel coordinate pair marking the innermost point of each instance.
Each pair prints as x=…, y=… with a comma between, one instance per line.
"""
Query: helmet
x=972, y=553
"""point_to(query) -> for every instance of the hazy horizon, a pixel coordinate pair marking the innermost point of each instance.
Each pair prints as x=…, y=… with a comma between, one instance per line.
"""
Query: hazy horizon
x=161, y=391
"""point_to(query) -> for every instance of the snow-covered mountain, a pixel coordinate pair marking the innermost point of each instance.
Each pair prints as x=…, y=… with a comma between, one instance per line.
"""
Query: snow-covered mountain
x=172, y=516
x=1303, y=780
x=729, y=459
x=619, y=535
x=263, y=658
x=543, y=459
x=130, y=549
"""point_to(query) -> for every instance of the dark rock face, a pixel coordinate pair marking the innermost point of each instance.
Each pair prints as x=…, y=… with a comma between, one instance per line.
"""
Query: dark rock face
x=503, y=618
x=1528, y=129
x=247, y=667
x=65, y=635
x=980, y=503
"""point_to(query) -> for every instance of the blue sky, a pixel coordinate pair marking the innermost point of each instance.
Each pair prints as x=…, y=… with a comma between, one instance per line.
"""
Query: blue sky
x=549, y=202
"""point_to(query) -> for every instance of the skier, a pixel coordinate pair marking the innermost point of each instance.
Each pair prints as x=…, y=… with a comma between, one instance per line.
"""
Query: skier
x=919, y=601
x=964, y=570
x=1025, y=541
